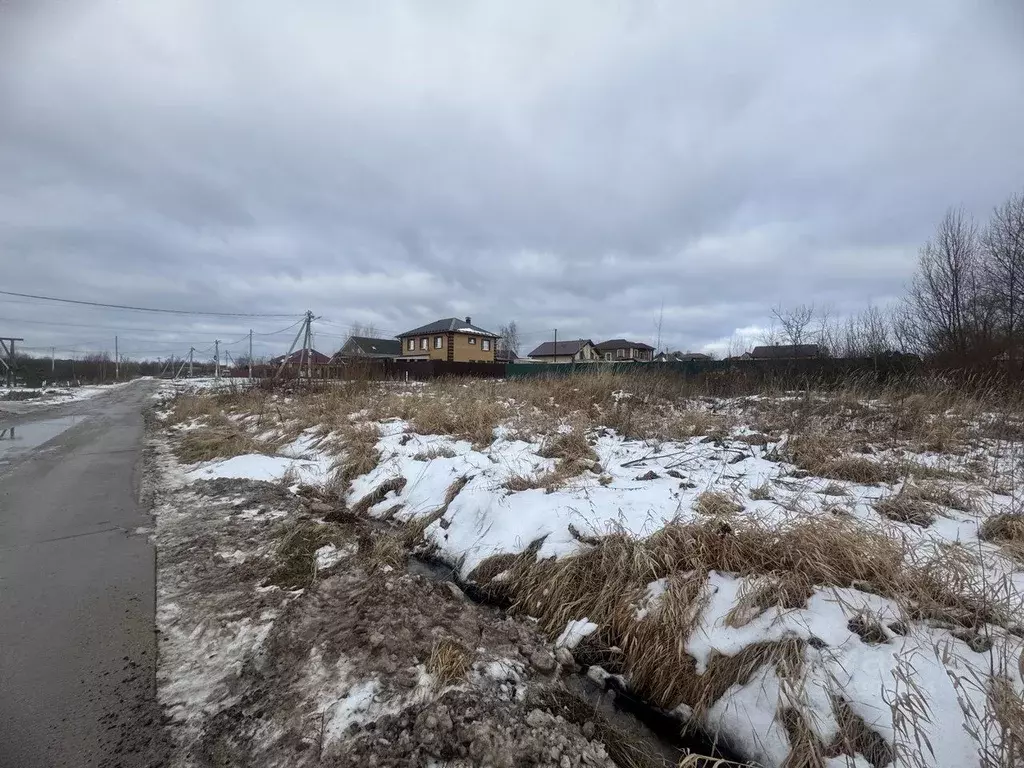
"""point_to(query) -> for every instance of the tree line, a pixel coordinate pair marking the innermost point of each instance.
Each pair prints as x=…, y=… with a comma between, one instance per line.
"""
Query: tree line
x=964, y=306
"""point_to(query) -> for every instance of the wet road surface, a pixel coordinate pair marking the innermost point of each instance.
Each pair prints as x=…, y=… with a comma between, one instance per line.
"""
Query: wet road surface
x=77, y=594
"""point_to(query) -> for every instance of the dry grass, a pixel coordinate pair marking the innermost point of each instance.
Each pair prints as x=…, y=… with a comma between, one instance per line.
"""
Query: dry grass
x=459, y=412
x=782, y=591
x=605, y=581
x=569, y=447
x=717, y=504
x=856, y=737
x=360, y=454
x=381, y=551
x=550, y=481
x=942, y=495
x=221, y=441
x=295, y=556
x=1007, y=708
x=868, y=628
x=823, y=454
x=905, y=508
x=448, y=661
x=761, y=492
x=435, y=452
x=1007, y=531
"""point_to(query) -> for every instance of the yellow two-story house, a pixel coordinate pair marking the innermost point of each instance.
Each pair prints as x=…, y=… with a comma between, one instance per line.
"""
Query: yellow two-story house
x=451, y=339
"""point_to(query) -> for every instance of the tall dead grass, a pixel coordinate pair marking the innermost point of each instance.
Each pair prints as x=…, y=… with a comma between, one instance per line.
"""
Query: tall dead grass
x=607, y=583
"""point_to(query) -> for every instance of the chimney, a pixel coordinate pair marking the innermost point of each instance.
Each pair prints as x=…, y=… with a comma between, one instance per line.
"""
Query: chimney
x=469, y=320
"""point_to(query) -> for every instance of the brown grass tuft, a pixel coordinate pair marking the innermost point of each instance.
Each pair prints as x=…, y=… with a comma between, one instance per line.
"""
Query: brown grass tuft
x=784, y=591
x=856, y=737
x=717, y=504
x=359, y=443
x=939, y=494
x=435, y=452
x=1006, y=530
x=448, y=661
x=381, y=550
x=459, y=411
x=222, y=439
x=904, y=508
x=761, y=492
x=868, y=628
x=295, y=556
x=1007, y=707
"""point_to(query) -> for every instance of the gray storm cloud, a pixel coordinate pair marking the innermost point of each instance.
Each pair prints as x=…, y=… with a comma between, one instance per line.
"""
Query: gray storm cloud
x=575, y=165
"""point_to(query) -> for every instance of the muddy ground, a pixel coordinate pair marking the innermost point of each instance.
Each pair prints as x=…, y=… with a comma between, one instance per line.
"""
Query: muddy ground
x=292, y=636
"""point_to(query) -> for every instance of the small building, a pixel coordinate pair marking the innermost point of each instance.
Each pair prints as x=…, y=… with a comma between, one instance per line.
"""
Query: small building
x=297, y=357
x=368, y=348
x=786, y=352
x=451, y=339
x=569, y=351
x=681, y=357
x=503, y=355
x=624, y=350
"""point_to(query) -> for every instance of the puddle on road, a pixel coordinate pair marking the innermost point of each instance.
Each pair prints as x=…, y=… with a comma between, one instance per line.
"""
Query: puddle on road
x=20, y=438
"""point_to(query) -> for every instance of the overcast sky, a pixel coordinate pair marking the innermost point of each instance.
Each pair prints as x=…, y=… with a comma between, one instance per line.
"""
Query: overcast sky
x=570, y=165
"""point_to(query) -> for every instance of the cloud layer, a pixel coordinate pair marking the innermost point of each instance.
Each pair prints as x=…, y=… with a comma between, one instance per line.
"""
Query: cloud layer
x=572, y=165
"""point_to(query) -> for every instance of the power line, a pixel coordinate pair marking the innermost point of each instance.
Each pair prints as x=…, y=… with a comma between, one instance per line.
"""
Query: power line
x=141, y=309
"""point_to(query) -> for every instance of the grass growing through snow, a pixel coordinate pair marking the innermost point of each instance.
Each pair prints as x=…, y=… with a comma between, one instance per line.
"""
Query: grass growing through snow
x=861, y=436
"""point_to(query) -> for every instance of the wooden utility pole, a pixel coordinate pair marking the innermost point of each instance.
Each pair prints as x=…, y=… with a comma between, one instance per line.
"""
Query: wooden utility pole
x=7, y=357
x=216, y=358
x=554, y=352
x=117, y=362
x=250, y=354
x=190, y=351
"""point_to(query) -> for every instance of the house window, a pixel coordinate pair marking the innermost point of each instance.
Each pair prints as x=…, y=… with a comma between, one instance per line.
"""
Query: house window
x=486, y=345
x=620, y=353
x=412, y=345
x=472, y=339
x=608, y=356
x=438, y=342
x=423, y=343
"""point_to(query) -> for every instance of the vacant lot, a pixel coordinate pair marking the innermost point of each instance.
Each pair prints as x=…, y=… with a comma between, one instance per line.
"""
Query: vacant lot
x=814, y=578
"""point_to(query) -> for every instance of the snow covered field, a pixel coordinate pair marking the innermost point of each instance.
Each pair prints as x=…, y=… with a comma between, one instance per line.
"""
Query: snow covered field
x=818, y=579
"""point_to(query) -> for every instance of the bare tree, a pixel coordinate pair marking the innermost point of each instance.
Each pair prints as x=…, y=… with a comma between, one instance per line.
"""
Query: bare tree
x=509, y=341
x=942, y=297
x=365, y=330
x=1003, y=270
x=866, y=334
x=795, y=322
x=771, y=336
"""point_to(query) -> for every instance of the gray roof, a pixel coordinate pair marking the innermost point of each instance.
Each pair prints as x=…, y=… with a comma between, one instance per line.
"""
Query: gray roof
x=785, y=351
x=448, y=325
x=366, y=345
x=569, y=347
x=606, y=346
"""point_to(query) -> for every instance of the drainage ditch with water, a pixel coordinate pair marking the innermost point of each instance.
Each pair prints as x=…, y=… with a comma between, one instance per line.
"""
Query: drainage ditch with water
x=663, y=734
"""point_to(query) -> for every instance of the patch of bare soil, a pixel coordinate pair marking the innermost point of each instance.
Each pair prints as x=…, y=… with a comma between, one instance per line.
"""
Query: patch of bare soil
x=365, y=664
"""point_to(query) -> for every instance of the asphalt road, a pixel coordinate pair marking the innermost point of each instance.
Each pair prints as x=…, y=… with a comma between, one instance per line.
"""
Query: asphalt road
x=77, y=588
